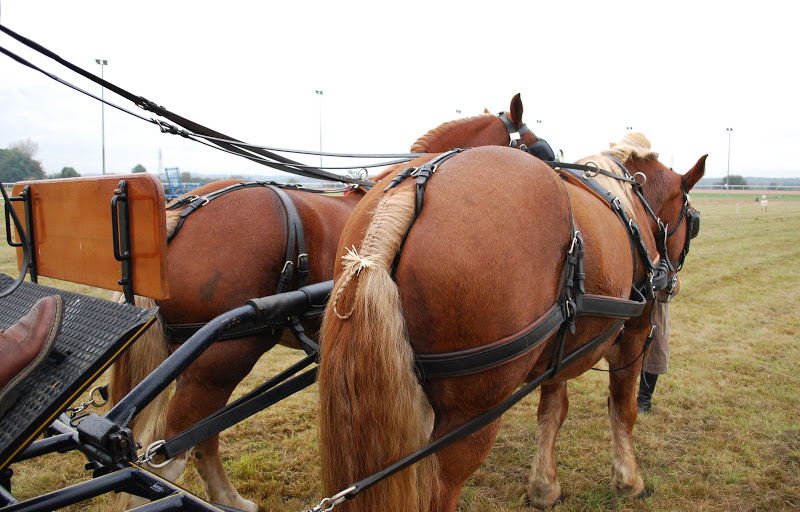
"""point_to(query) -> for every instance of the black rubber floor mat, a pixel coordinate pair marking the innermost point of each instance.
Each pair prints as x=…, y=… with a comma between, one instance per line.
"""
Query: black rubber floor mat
x=93, y=334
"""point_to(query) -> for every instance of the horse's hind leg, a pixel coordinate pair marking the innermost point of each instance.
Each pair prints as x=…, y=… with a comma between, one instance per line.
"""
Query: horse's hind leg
x=459, y=460
x=622, y=412
x=544, y=490
x=202, y=389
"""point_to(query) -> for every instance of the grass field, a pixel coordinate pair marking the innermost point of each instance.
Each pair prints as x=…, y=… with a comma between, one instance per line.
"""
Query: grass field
x=724, y=433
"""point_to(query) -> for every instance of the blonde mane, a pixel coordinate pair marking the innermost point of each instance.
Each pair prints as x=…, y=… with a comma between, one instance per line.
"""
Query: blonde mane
x=422, y=145
x=633, y=145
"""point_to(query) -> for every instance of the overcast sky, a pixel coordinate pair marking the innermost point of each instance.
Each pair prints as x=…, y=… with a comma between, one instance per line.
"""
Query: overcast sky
x=680, y=72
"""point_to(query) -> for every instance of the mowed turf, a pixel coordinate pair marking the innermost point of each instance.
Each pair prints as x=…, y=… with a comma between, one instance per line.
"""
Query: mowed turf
x=724, y=433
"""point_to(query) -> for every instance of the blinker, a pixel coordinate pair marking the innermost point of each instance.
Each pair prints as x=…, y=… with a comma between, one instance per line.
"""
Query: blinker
x=693, y=218
x=542, y=150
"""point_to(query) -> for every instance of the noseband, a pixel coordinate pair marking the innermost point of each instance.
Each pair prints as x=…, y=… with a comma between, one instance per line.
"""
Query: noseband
x=540, y=149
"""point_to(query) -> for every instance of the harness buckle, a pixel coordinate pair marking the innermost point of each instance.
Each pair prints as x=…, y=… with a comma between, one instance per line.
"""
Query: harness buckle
x=670, y=289
x=574, y=241
x=634, y=228
x=514, y=138
x=430, y=169
x=651, y=287
x=302, y=263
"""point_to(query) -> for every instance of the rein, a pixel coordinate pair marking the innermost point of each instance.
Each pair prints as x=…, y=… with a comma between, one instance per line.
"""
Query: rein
x=192, y=130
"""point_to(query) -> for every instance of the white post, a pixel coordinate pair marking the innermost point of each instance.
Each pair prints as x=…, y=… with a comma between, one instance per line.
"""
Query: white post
x=103, y=63
x=319, y=93
x=728, y=182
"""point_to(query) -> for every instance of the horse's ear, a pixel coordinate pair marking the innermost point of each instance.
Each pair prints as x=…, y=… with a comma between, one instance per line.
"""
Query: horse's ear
x=516, y=111
x=691, y=178
x=486, y=111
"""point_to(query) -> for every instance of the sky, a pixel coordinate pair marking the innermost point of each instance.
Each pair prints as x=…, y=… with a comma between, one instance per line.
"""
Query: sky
x=680, y=72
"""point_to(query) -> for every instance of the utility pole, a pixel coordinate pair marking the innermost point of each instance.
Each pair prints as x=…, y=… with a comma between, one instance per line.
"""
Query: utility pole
x=319, y=93
x=728, y=182
x=103, y=63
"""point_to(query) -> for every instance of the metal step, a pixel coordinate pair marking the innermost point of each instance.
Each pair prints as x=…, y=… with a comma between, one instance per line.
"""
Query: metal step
x=93, y=334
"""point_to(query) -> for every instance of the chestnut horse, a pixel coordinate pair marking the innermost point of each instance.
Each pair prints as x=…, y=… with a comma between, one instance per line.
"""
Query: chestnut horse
x=482, y=263
x=231, y=250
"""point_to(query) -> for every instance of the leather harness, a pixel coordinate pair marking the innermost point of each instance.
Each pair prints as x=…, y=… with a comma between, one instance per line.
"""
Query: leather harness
x=178, y=333
x=573, y=300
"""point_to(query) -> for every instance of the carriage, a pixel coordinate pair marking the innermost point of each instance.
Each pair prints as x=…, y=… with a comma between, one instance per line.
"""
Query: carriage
x=440, y=378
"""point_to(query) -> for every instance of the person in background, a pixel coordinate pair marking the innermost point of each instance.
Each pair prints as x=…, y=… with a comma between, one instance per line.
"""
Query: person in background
x=657, y=357
x=29, y=341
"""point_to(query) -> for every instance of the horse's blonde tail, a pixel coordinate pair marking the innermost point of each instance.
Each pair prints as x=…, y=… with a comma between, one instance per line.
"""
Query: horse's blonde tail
x=136, y=363
x=373, y=412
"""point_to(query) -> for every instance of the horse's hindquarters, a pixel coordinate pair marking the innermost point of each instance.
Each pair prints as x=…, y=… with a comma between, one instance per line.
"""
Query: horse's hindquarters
x=485, y=257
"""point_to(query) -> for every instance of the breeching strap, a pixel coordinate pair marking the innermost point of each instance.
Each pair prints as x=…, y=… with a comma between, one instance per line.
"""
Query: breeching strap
x=481, y=421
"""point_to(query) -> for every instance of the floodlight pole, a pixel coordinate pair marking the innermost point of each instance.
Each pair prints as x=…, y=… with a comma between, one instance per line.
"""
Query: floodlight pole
x=319, y=93
x=103, y=63
x=728, y=182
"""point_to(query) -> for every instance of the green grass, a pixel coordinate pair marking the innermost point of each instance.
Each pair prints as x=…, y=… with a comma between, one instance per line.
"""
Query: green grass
x=724, y=433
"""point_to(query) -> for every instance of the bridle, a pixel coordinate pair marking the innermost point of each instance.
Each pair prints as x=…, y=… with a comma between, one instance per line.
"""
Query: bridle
x=692, y=218
x=667, y=267
x=540, y=149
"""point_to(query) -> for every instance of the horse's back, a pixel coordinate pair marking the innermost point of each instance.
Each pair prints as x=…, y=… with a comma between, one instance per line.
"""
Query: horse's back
x=235, y=246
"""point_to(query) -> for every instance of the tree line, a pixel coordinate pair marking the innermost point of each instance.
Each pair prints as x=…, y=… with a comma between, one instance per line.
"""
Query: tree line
x=18, y=163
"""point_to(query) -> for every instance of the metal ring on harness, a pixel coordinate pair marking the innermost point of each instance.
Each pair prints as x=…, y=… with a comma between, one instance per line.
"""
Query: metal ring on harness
x=644, y=179
x=590, y=174
x=95, y=402
x=150, y=452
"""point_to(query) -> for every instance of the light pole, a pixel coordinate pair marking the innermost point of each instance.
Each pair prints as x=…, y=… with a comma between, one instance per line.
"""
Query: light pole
x=728, y=182
x=319, y=93
x=629, y=128
x=103, y=63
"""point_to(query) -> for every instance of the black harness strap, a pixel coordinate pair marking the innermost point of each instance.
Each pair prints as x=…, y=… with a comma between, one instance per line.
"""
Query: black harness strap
x=193, y=202
x=479, y=422
x=422, y=173
x=269, y=393
x=294, y=226
x=657, y=273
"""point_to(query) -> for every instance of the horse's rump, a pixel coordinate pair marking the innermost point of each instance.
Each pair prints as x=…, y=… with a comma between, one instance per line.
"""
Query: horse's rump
x=486, y=256
x=484, y=259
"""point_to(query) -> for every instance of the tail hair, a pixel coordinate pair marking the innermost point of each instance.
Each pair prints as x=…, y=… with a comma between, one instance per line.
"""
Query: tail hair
x=136, y=363
x=373, y=411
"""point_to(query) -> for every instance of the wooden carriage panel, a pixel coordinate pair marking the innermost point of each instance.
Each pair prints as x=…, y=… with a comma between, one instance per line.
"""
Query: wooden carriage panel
x=74, y=236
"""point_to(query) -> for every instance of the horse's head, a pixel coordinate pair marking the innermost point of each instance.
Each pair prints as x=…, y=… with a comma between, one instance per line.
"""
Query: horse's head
x=503, y=129
x=673, y=221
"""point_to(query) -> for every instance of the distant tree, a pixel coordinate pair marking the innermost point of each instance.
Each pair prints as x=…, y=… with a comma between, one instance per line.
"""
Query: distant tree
x=735, y=180
x=69, y=172
x=186, y=177
x=139, y=168
x=26, y=147
x=18, y=164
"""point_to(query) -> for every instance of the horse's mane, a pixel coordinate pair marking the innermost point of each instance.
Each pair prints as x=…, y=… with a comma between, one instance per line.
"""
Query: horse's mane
x=633, y=145
x=423, y=144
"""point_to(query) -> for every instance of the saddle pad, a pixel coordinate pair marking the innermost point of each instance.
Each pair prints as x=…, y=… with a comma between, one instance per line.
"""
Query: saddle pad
x=93, y=334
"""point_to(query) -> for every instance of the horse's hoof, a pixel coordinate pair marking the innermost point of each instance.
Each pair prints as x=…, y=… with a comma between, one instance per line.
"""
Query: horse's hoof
x=558, y=501
x=644, y=494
